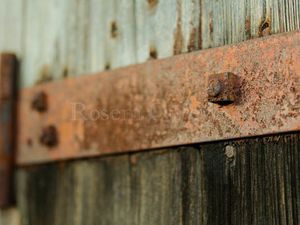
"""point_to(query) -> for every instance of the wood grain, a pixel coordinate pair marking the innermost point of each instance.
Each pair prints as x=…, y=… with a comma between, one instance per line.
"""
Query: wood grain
x=59, y=38
x=252, y=181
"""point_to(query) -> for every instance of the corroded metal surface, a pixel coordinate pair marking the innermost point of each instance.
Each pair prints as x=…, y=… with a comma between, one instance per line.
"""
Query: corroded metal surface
x=8, y=71
x=165, y=102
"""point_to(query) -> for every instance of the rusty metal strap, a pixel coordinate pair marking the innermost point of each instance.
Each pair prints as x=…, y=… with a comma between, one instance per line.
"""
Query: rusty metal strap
x=235, y=91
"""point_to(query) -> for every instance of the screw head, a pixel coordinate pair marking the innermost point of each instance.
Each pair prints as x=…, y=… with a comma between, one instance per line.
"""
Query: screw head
x=49, y=136
x=214, y=88
x=39, y=102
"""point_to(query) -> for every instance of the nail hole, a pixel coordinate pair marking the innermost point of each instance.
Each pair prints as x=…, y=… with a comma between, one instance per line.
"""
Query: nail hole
x=153, y=53
x=107, y=66
x=114, y=29
x=65, y=72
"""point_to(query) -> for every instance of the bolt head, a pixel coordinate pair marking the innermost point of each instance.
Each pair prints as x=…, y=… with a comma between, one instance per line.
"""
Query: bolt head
x=39, y=102
x=49, y=136
x=214, y=88
x=222, y=88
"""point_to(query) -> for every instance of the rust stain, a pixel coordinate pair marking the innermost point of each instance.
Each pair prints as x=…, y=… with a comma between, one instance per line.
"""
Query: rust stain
x=211, y=24
x=178, y=36
x=165, y=102
x=248, y=27
x=44, y=75
x=152, y=3
x=178, y=40
x=192, y=41
x=114, y=31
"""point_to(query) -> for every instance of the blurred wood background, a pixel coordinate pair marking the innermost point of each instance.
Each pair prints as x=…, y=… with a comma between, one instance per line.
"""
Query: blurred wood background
x=199, y=184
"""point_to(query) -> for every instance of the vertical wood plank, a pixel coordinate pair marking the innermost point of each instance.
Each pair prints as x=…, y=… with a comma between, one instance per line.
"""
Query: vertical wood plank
x=166, y=27
x=40, y=32
x=252, y=181
x=70, y=38
x=112, y=34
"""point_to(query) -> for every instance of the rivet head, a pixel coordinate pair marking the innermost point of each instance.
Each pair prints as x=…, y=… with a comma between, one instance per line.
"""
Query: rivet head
x=49, y=136
x=39, y=102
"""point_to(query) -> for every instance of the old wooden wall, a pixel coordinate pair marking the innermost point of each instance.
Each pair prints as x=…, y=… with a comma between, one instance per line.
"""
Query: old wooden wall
x=202, y=184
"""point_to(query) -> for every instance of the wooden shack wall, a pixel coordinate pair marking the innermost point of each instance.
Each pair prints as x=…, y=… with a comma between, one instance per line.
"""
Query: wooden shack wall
x=189, y=185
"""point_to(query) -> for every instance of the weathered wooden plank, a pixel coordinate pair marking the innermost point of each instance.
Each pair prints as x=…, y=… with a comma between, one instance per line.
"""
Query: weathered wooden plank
x=114, y=190
x=165, y=28
x=112, y=34
x=75, y=37
x=68, y=38
x=253, y=181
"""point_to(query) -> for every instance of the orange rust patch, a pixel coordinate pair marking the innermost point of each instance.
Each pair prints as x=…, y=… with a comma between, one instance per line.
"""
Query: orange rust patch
x=152, y=3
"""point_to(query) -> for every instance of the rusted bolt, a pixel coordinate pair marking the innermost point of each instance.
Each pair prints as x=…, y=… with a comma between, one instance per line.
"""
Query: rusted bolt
x=39, y=102
x=214, y=88
x=222, y=88
x=49, y=136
